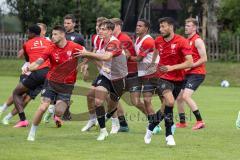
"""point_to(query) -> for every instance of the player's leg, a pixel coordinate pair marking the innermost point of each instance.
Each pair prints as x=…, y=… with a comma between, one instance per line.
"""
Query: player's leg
x=45, y=102
x=101, y=94
x=91, y=109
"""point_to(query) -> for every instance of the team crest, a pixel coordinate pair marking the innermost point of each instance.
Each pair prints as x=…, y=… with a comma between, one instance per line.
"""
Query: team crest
x=173, y=46
x=72, y=38
x=69, y=53
x=190, y=43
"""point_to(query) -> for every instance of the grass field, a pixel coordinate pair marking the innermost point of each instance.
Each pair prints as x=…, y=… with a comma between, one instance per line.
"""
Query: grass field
x=219, y=141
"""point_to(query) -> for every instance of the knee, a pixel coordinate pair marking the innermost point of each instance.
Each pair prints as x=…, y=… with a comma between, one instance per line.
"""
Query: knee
x=98, y=102
x=58, y=112
x=43, y=107
x=185, y=97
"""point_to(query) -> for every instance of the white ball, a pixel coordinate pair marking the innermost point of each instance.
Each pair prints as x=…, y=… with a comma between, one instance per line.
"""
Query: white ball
x=225, y=83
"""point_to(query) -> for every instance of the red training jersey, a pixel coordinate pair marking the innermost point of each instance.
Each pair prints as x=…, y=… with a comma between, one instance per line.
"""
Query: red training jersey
x=172, y=53
x=63, y=65
x=127, y=44
x=96, y=41
x=35, y=48
x=199, y=69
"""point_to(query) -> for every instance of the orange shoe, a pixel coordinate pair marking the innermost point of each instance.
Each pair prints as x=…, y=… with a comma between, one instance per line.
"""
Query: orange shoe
x=198, y=125
x=58, y=121
x=181, y=125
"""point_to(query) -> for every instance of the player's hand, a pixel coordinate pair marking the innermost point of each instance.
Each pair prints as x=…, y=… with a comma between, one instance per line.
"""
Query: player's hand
x=80, y=53
x=166, y=68
x=105, y=69
x=25, y=70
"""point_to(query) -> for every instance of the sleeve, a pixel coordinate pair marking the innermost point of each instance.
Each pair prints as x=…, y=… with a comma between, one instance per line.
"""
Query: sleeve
x=25, y=53
x=186, y=48
x=92, y=39
x=114, y=48
x=147, y=46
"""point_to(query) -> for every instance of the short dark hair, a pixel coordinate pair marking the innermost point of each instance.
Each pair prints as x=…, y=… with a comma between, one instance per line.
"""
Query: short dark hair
x=70, y=16
x=168, y=20
x=146, y=23
x=108, y=23
x=35, y=29
x=59, y=28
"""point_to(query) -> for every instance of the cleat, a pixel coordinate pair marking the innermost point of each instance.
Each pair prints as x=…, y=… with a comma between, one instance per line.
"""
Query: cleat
x=170, y=141
x=58, y=121
x=148, y=136
x=238, y=121
x=5, y=121
x=123, y=129
x=89, y=125
x=31, y=137
x=21, y=124
x=181, y=125
x=115, y=129
x=103, y=134
x=157, y=130
x=198, y=125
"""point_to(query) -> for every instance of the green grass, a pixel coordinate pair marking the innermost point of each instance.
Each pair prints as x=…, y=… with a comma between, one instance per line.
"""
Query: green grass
x=219, y=141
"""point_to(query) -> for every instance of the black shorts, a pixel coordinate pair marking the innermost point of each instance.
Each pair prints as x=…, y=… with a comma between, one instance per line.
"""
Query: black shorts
x=31, y=92
x=116, y=88
x=50, y=92
x=35, y=79
x=193, y=81
x=149, y=84
x=174, y=86
x=133, y=83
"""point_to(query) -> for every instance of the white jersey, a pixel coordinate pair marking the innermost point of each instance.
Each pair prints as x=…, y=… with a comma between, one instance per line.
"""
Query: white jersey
x=144, y=67
x=117, y=65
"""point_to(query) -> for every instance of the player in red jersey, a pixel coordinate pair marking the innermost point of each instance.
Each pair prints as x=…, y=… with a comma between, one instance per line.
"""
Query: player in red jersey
x=133, y=84
x=33, y=49
x=110, y=81
x=60, y=78
x=175, y=56
x=194, y=76
x=31, y=94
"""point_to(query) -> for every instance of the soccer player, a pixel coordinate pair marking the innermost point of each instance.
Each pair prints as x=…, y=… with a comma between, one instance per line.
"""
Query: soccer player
x=193, y=76
x=71, y=35
x=132, y=81
x=60, y=78
x=31, y=94
x=175, y=56
x=33, y=49
x=109, y=81
x=96, y=41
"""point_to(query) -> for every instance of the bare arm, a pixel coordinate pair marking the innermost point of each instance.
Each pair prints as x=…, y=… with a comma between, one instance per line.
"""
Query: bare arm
x=101, y=57
x=199, y=44
x=33, y=66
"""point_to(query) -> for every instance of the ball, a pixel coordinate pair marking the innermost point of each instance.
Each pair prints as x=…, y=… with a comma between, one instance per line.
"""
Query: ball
x=225, y=84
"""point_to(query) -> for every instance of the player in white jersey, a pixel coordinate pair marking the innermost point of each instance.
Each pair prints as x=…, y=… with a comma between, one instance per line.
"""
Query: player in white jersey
x=111, y=81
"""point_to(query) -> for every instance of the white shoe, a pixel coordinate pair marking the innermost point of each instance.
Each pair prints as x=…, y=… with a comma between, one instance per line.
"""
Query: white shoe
x=238, y=121
x=31, y=137
x=103, y=134
x=115, y=129
x=170, y=141
x=5, y=121
x=89, y=125
x=148, y=136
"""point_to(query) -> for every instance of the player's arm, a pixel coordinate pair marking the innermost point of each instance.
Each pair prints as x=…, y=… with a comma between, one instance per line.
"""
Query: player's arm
x=20, y=53
x=186, y=64
x=34, y=65
x=199, y=44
